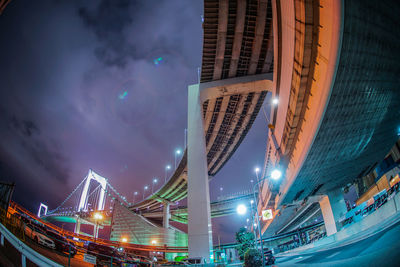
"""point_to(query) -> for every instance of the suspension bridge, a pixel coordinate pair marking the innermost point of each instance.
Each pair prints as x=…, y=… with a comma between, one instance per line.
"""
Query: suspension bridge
x=94, y=195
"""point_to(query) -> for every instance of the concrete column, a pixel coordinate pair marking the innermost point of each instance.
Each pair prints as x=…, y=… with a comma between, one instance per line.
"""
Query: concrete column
x=96, y=230
x=77, y=226
x=166, y=215
x=333, y=207
x=23, y=260
x=199, y=219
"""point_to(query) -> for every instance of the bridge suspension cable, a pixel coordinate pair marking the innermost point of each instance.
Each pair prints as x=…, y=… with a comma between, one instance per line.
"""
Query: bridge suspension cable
x=68, y=197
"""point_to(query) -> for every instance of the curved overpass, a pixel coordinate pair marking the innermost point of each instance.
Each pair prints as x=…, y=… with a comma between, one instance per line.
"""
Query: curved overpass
x=237, y=50
x=338, y=66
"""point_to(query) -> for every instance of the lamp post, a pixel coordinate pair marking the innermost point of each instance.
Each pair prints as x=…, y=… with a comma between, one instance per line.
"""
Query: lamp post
x=134, y=196
x=155, y=180
x=144, y=190
x=257, y=170
x=177, y=152
x=275, y=175
x=167, y=168
x=97, y=217
x=252, y=219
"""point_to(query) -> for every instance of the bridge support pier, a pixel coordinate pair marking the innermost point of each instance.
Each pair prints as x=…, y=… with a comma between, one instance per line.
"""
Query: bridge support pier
x=199, y=217
x=333, y=207
x=166, y=215
x=77, y=229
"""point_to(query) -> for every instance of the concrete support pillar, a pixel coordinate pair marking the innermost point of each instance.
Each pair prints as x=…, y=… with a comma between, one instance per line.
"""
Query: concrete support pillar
x=96, y=231
x=199, y=218
x=77, y=229
x=23, y=260
x=333, y=207
x=166, y=215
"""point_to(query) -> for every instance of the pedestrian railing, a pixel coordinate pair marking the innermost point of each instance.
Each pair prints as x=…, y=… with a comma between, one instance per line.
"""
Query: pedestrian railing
x=368, y=207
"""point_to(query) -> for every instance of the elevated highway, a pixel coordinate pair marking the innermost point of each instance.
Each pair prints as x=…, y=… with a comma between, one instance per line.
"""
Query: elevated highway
x=337, y=69
x=333, y=65
x=235, y=78
x=218, y=209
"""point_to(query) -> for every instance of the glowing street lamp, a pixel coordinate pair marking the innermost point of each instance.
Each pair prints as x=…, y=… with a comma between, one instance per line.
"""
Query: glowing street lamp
x=155, y=180
x=124, y=240
x=276, y=174
x=134, y=196
x=144, y=190
x=257, y=170
x=275, y=101
x=177, y=153
x=153, y=242
x=97, y=217
x=167, y=168
x=241, y=209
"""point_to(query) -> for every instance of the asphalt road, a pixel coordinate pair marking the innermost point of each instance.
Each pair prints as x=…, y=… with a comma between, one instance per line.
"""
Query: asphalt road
x=379, y=249
x=58, y=257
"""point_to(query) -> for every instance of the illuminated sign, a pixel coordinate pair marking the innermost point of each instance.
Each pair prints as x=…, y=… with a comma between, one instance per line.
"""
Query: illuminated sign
x=267, y=215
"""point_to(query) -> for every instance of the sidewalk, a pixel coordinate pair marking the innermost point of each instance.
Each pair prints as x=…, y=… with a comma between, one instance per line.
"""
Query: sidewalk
x=334, y=242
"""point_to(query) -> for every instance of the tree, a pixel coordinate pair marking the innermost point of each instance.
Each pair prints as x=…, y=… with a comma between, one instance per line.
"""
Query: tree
x=245, y=240
x=252, y=258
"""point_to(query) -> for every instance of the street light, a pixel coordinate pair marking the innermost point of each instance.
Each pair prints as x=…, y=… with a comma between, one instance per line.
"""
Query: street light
x=167, y=168
x=155, y=180
x=177, y=152
x=154, y=242
x=134, y=196
x=257, y=170
x=277, y=174
x=241, y=209
x=124, y=240
x=275, y=101
x=144, y=189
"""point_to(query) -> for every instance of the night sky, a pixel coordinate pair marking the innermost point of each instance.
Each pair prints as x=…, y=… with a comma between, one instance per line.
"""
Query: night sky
x=103, y=85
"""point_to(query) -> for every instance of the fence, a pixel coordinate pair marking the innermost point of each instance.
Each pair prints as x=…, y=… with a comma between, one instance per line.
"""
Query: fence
x=368, y=207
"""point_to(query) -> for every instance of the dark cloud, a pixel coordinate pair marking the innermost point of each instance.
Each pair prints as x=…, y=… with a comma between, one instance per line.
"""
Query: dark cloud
x=43, y=153
x=65, y=67
x=108, y=21
x=120, y=27
x=25, y=127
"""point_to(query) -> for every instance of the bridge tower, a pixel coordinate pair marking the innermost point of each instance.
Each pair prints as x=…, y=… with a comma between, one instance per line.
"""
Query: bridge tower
x=83, y=202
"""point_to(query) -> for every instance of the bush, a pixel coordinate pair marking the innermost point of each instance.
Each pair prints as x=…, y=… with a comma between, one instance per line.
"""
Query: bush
x=252, y=258
x=245, y=240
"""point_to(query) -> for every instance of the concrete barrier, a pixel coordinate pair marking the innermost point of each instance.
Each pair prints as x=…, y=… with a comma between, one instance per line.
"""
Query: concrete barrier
x=358, y=230
x=26, y=251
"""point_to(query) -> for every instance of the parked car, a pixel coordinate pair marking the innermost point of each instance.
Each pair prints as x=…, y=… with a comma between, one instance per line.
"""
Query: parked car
x=38, y=236
x=269, y=258
x=194, y=260
x=175, y=263
x=62, y=244
x=103, y=253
